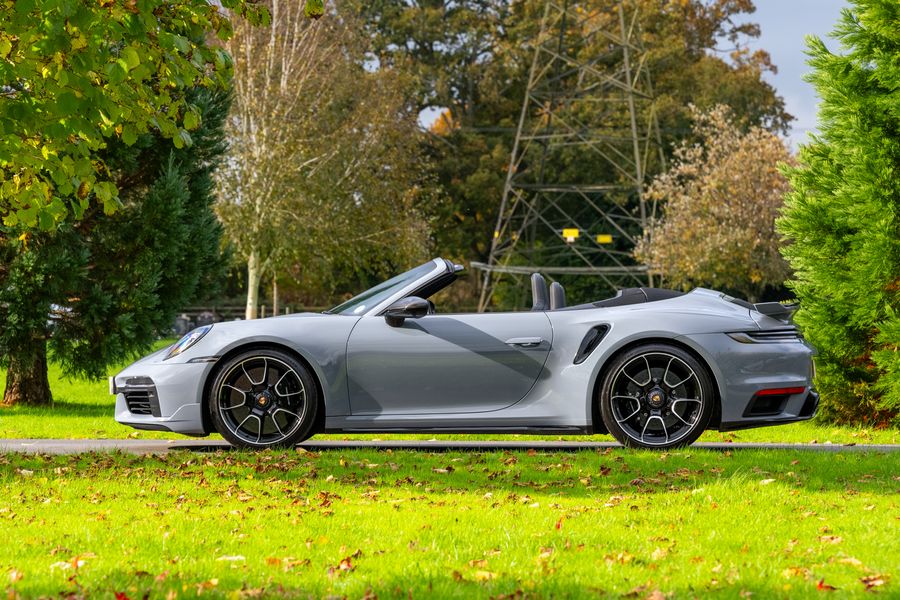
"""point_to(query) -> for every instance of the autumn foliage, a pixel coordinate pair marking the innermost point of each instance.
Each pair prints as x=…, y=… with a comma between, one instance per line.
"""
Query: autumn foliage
x=719, y=204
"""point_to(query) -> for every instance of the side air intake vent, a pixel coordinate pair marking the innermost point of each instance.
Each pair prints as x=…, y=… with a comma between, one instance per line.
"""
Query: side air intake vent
x=590, y=342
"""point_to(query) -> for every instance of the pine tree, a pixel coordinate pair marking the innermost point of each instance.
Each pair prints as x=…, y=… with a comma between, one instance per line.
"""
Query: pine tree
x=841, y=220
x=102, y=287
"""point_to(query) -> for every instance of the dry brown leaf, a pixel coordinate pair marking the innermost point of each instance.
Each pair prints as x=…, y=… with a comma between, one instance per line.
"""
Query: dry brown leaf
x=873, y=581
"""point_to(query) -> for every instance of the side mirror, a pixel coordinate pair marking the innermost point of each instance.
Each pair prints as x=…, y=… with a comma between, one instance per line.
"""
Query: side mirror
x=411, y=307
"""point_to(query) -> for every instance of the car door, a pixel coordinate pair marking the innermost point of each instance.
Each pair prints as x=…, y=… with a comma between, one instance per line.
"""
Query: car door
x=445, y=363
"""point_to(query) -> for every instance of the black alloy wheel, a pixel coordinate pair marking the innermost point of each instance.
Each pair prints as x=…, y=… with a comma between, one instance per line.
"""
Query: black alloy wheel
x=263, y=398
x=656, y=396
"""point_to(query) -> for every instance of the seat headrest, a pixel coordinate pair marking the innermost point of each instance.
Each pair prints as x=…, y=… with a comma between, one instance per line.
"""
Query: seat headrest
x=540, y=297
x=557, y=296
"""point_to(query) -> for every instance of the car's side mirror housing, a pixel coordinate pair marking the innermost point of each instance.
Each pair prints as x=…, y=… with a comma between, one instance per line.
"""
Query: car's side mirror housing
x=411, y=307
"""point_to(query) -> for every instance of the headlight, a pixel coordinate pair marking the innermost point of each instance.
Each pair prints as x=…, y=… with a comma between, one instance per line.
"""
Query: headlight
x=189, y=339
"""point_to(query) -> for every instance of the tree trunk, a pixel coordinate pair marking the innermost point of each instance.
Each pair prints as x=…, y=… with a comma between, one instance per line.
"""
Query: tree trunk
x=274, y=295
x=26, y=381
x=253, y=275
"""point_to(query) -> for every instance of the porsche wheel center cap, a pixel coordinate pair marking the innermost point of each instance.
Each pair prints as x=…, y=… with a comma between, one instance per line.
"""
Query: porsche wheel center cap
x=262, y=400
x=656, y=398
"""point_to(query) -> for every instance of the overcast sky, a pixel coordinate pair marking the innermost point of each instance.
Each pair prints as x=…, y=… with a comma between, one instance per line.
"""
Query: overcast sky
x=784, y=24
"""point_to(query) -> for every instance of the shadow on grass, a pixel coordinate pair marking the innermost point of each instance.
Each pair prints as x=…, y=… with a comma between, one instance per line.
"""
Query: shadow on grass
x=584, y=474
x=453, y=584
x=60, y=410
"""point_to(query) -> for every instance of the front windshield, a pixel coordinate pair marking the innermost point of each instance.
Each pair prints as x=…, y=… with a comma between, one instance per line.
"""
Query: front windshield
x=357, y=305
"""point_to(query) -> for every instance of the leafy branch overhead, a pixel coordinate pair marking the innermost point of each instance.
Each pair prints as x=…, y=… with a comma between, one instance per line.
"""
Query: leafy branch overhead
x=74, y=75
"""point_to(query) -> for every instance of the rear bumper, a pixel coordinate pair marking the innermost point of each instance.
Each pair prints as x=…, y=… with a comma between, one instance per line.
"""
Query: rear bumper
x=808, y=410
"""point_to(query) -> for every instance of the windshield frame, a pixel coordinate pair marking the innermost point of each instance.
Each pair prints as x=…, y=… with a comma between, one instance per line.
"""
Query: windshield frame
x=401, y=289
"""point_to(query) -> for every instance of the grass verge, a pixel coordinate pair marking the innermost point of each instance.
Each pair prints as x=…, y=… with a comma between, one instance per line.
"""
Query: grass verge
x=367, y=523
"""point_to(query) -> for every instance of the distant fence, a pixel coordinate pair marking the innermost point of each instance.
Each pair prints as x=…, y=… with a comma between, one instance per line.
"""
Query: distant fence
x=197, y=316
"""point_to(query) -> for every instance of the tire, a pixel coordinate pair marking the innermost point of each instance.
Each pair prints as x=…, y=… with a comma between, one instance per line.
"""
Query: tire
x=263, y=398
x=656, y=396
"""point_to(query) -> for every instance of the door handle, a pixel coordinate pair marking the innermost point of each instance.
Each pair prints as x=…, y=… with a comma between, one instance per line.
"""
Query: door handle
x=525, y=342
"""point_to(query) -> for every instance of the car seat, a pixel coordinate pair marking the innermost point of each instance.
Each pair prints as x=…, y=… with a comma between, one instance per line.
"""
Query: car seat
x=540, y=297
x=557, y=296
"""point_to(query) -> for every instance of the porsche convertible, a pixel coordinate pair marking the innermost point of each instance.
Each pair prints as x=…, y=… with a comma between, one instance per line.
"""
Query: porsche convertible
x=652, y=367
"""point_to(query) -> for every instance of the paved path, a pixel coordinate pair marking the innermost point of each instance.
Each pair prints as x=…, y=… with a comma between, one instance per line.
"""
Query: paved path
x=164, y=446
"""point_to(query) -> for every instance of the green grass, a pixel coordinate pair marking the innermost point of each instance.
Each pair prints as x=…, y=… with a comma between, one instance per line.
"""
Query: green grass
x=84, y=409
x=403, y=524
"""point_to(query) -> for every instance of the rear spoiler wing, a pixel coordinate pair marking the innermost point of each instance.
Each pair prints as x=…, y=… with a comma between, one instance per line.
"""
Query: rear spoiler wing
x=777, y=310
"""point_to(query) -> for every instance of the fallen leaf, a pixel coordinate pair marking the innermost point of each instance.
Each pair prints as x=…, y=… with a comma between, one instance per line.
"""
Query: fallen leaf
x=484, y=575
x=635, y=591
x=872, y=581
x=478, y=562
x=849, y=560
x=15, y=575
x=797, y=572
x=766, y=481
x=236, y=558
x=824, y=587
x=831, y=539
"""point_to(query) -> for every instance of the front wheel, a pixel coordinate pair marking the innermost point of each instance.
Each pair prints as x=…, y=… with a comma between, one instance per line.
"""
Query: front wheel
x=656, y=396
x=263, y=398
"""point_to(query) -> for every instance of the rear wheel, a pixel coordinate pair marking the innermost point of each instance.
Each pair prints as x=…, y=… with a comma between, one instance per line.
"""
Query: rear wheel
x=656, y=396
x=263, y=398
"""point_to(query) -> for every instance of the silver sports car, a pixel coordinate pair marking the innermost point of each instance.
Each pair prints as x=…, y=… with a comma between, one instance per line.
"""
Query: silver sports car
x=652, y=367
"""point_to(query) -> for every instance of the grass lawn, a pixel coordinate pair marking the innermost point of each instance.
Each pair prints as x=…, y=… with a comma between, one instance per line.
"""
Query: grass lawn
x=367, y=523
x=84, y=409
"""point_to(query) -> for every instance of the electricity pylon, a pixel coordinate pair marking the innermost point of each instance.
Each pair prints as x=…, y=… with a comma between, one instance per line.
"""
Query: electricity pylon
x=587, y=136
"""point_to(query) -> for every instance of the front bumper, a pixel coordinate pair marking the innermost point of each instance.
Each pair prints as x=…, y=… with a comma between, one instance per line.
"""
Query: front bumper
x=161, y=397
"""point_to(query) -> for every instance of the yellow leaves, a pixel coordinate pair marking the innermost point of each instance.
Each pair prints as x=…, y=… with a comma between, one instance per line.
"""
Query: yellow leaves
x=15, y=576
x=621, y=558
x=482, y=576
x=478, y=576
x=802, y=572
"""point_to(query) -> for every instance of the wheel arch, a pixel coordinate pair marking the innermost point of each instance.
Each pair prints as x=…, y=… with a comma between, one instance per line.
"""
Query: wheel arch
x=597, y=424
x=208, y=427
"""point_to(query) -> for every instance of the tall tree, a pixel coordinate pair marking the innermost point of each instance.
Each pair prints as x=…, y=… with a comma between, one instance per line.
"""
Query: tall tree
x=719, y=202
x=76, y=75
x=102, y=287
x=324, y=163
x=843, y=217
x=471, y=59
